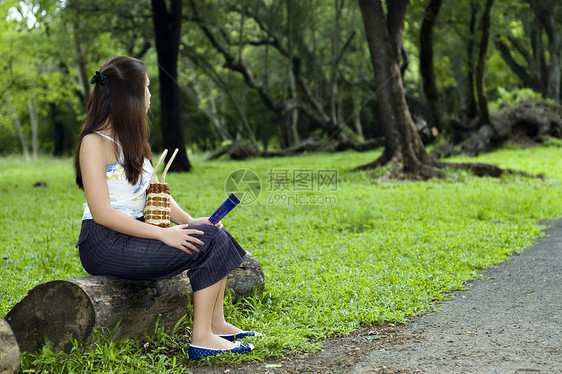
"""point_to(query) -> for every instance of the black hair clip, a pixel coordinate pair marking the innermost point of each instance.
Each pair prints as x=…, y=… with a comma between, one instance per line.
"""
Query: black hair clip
x=98, y=78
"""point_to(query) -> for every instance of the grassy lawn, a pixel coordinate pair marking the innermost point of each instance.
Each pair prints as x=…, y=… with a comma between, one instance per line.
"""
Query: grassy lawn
x=351, y=251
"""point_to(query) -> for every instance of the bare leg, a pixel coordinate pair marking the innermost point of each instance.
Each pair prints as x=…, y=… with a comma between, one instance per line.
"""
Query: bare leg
x=204, y=302
x=219, y=324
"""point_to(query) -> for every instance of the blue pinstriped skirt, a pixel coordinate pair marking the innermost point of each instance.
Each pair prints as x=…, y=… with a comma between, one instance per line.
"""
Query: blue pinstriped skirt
x=107, y=252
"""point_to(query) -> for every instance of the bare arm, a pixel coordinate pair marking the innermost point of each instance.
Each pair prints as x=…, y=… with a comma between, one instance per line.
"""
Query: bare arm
x=95, y=154
x=179, y=216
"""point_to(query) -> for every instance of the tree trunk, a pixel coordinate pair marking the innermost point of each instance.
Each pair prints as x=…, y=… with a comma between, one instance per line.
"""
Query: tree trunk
x=356, y=98
x=9, y=350
x=530, y=80
x=404, y=149
x=167, y=28
x=471, y=107
x=426, y=62
x=76, y=308
x=544, y=11
x=295, y=115
x=480, y=89
x=403, y=146
x=537, y=47
x=58, y=130
x=82, y=73
x=32, y=106
x=17, y=125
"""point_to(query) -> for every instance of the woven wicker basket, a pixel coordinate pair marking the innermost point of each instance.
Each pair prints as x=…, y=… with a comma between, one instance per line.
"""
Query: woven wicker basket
x=157, y=208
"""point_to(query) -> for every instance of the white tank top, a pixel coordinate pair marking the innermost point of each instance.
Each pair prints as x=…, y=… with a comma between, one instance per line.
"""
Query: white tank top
x=123, y=196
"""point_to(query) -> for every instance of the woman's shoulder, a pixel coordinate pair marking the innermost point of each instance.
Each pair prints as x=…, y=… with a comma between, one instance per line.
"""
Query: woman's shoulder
x=92, y=140
x=101, y=136
x=95, y=144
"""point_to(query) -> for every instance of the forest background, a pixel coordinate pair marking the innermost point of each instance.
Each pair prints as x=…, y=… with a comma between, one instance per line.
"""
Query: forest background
x=275, y=75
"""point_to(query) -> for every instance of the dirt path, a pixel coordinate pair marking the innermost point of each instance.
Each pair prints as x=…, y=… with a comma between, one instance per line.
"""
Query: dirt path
x=508, y=322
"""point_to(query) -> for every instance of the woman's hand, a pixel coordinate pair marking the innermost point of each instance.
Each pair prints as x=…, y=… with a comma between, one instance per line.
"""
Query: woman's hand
x=181, y=237
x=205, y=221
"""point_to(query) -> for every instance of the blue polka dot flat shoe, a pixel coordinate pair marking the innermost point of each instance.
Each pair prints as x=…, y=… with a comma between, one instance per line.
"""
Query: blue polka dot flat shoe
x=240, y=335
x=197, y=353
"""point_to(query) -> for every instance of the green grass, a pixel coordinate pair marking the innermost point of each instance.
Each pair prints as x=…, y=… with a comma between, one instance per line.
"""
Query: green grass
x=361, y=252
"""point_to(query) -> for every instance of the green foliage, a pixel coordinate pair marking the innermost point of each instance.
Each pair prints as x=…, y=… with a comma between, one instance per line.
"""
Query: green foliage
x=44, y=45
x=157, y=355
x=451, y=35
x=506, y=97
x=553, y=142
x=359, y=252
x=47, y=45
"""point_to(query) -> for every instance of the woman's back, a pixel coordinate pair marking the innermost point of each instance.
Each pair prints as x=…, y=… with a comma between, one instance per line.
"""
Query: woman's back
x=129, y=199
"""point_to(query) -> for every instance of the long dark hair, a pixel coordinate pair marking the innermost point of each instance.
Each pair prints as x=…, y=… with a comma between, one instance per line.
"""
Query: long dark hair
x=120, y=103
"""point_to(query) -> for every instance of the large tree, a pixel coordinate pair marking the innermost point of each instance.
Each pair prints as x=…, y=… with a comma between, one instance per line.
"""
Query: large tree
x=167, y=17
x=483, y=110
x=544, y=11
x=403, y=149
x=427, y=72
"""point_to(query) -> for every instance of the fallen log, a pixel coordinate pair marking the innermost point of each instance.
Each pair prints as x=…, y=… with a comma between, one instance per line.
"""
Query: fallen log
x=526, y=122
x=9, y=350
x=307, y=145
x=77, y=308
x=315, y=145
x=238, y=150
